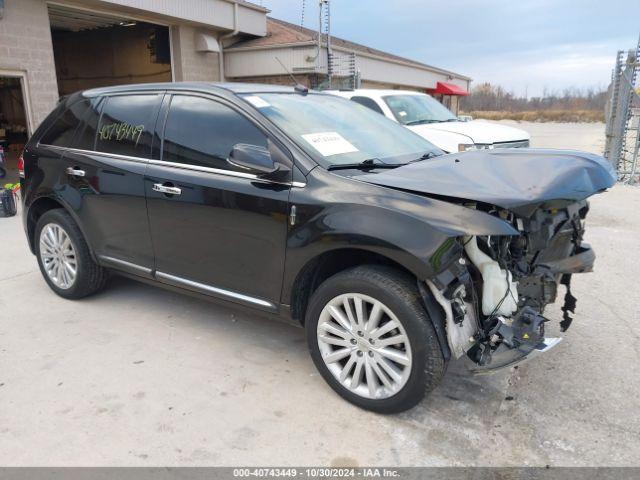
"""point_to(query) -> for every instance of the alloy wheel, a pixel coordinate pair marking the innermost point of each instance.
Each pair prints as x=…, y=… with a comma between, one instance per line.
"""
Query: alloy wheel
x=364, y=345
x=58, y=256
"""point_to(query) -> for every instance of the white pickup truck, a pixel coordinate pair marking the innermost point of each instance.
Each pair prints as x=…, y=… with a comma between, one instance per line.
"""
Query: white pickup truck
x=434, y=122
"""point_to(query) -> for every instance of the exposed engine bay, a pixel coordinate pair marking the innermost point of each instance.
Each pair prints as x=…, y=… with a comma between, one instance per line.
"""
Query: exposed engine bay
x=494, y=297
x=494, y=293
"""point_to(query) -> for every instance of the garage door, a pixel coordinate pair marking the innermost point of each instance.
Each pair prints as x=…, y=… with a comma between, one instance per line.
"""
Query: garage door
x=96, y=50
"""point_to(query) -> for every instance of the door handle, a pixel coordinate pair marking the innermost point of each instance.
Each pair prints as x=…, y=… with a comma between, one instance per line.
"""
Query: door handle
x=75, y=172
x=158, y=187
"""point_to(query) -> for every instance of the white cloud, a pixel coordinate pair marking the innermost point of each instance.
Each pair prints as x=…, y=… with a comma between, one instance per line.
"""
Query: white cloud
x=557, y=68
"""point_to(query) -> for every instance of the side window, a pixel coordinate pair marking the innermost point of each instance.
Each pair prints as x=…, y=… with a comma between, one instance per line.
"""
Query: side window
x=62, y=131
x=86, y=137
x=200, y=131
x=369, y=103
x=126, y=125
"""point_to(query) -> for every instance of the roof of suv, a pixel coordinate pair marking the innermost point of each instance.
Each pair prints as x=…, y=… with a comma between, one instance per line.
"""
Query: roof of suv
x=235, y=88
x=373, y=92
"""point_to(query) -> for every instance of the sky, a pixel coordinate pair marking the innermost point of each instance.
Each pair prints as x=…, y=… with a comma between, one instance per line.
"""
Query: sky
x=526, y=46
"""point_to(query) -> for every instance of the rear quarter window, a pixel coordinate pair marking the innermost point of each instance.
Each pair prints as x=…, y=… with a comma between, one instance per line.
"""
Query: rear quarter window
x=64, y=127
x=86, y=136
x=369, y=103
x=126, y=125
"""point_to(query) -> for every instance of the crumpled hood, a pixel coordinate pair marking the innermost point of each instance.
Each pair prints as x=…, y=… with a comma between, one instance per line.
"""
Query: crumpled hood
x=476, y=130
x=508, y=178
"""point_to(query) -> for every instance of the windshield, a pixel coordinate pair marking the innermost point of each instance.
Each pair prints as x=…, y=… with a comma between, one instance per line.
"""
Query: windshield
x=417, y=109
x=336, y=131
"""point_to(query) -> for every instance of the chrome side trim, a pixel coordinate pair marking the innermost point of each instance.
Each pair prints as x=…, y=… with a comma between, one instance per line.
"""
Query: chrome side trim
x=93, y=152
x=162, y=163
x=211, y=290
x=218, y=171
x=117, y=263
x=198, y=168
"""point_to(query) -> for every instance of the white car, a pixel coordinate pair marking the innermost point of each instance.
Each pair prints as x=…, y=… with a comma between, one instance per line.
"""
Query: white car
x=434, y=122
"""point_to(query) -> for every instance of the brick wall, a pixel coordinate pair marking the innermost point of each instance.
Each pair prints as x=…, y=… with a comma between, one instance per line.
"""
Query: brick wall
x=25, y=45
x=190, y=65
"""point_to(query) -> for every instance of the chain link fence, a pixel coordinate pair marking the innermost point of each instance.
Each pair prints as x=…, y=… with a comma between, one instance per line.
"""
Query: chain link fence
x=622, y=145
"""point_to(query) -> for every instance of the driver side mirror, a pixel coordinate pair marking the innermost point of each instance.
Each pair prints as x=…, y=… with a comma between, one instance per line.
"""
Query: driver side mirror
x=253, y=158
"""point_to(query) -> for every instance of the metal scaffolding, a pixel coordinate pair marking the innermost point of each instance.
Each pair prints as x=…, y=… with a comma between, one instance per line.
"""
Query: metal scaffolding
x=342, y=71
x=622, y=146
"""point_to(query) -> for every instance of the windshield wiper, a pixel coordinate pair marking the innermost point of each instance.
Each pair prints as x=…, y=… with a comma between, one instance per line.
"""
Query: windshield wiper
x=368, y=164
x=418, y=122
x=425, y=156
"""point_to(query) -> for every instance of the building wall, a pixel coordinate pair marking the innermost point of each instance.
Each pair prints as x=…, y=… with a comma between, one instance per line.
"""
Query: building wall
x=384, y=71
x=188, y=64
x=25, y=46
x=305, y=80
x=388, y=86
x=242, y=62
x=455, y=104
x=264, y=62
x=252, y=19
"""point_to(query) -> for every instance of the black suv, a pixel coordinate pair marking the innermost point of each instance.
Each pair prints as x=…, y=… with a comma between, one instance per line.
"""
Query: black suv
x=395, y=257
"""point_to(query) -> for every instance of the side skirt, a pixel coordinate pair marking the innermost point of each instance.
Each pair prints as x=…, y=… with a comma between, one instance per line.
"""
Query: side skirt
x=198, y=290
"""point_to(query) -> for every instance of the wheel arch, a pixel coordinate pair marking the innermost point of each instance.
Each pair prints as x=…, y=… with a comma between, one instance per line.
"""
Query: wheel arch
x=319, y=268
x=38, y=208
x=324, y=265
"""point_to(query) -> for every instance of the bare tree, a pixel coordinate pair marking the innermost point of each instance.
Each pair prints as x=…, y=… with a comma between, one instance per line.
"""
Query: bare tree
x=487, y=97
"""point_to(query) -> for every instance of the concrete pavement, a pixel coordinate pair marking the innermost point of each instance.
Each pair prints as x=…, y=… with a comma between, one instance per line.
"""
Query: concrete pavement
x=140, y=376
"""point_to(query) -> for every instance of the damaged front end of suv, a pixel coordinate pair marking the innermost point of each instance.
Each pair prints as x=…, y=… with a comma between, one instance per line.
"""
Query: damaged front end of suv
x=494, y=297
x=494, y=293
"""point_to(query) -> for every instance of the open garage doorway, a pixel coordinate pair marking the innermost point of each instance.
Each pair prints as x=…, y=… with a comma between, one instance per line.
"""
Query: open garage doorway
x=97, y=50
x=14, y=122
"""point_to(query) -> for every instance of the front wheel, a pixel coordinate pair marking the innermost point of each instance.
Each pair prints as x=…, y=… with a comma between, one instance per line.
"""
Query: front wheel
x=372, y=340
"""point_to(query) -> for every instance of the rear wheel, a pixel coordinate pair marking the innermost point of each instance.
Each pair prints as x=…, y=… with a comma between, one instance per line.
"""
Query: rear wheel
x=371, y=339
x=64, y=257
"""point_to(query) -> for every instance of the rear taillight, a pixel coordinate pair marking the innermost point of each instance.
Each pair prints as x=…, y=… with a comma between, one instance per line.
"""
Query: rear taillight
x=21, y=166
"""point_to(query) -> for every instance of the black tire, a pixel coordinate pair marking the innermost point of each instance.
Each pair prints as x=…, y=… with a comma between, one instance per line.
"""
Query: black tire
x=90, y=277
x=397, y=291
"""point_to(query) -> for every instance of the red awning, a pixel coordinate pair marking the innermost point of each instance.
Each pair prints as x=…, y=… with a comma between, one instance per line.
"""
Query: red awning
x=443, y=88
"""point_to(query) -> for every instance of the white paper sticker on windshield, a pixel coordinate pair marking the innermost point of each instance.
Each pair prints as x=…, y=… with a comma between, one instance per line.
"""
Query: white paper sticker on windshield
x=329, y=143
x=257, y=101
x=402, y=113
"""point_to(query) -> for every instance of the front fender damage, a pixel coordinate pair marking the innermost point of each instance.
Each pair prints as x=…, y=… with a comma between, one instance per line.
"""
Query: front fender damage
x=537, y=201
x=492, y=296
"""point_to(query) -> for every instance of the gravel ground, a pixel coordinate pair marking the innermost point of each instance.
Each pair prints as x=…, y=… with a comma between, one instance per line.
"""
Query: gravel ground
x=574, y=136
x=140, y=376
